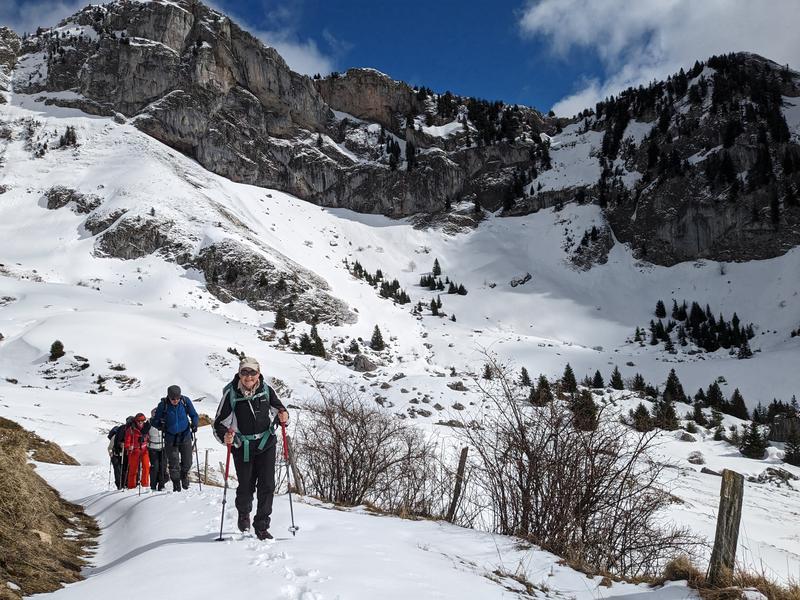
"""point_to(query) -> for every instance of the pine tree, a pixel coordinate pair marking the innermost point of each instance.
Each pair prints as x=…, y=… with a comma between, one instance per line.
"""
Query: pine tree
x=56, y=350
x=280, y=318
x=584, y=411
x=738, y=407
x=673, y=390
x=697, y=414
x=661, y=311
x=434, y=308
x=792, y=447
x=754, y=444
x=487, y=371
x=376, y=343
x=544, y=394
x=524, y=378
x=664, y=414
x=437, y=270
x=597, y=380
x=616, y=379
x=639, y=384
x=714, y=397
x=744, y=350
x=317, y=345
x=568, y=382
x=640, y=418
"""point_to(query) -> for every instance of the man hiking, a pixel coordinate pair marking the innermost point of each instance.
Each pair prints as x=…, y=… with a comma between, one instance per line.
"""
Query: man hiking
x=246, y=419
x=158, y=460
x=177, y=418
x=116, y=450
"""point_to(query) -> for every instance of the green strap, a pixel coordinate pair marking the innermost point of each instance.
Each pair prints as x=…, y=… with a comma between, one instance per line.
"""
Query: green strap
x=246, y=439
x=233, y=398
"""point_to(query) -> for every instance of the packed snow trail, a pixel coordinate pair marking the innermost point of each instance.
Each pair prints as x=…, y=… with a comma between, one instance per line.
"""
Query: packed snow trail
x=164, y=541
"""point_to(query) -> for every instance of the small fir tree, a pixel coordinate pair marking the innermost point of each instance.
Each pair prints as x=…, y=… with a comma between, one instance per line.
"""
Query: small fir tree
x=661, y=311
x=487, y=371
x=641, y=419
x=616, y=379
x=56, y=350
x=738, y=407
x=524, y=378
x=543, y=395
x=376, y=343
x=597, y=380
x=792, y=447
x=584, y=411
x=568, y=382
x=437, y=269
x=754, y=444
x=280, y=318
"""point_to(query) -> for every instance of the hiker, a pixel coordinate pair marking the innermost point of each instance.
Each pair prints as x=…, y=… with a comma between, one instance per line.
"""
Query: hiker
x=246, y=419
x=116, y=450
x=136, y=448
x=177, y=419
x=158, y=459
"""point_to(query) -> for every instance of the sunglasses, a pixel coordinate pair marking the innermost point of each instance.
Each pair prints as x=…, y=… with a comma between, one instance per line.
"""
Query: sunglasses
x=248, y=373
x=140, y=420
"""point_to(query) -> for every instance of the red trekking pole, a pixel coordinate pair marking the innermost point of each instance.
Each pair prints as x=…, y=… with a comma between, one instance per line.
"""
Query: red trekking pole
x=224, y=492
x=294, y=527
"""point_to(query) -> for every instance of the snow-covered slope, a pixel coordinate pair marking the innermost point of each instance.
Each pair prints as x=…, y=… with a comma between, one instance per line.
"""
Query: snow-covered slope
x=143, y=324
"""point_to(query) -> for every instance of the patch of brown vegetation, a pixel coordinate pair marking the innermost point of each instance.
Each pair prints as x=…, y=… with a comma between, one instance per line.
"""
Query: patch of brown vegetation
x=733, y=586
x=204, y=420
x=41, y=449
x=45, y=539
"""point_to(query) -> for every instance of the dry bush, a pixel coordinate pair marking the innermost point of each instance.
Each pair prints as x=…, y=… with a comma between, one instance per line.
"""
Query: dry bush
x=351, y=452
x=591, y=497
x=682, y=569
x=33, y=519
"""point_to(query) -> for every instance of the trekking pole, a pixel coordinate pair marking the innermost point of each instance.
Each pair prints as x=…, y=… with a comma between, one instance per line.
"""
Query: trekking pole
x=110, y=463
x=224, y=492
x=293, y=527
x=139, y=470
x=127, y=464
x=197, y=459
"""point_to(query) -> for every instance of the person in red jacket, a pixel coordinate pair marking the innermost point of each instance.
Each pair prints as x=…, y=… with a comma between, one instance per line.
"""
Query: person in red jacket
x=136, y=439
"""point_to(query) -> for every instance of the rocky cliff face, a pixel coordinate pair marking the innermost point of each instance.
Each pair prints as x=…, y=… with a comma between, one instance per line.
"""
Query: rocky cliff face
x=715, y=176
x=10, y=45
x=193, y=79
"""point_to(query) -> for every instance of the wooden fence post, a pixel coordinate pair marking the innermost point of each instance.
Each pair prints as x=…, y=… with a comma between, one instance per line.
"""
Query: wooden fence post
x=462, y=463
x=730, y=513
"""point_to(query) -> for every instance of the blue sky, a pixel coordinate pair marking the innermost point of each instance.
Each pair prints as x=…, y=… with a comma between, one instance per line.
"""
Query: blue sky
x=560, y=54
x=451, y=45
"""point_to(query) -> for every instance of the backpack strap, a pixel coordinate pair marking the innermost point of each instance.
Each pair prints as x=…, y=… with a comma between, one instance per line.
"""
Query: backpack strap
x=245, y=439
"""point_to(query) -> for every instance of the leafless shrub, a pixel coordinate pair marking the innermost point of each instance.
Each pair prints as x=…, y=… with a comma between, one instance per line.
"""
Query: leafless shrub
x=591, y=497
x=352, y=452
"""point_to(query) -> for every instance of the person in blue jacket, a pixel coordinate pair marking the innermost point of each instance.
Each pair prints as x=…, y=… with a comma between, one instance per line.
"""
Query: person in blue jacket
x=177, y=418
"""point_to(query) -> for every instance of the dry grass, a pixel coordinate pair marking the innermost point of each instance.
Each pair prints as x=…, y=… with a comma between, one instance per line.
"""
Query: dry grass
x=730, y=589
x=34, y=519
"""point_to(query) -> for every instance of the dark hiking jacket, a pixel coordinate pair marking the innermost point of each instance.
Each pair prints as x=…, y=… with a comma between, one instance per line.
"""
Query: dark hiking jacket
x=252, y=417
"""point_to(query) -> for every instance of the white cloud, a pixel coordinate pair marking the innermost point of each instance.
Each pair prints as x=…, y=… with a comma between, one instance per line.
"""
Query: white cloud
x=302, y=56
x=26, y=15
x=638, y=41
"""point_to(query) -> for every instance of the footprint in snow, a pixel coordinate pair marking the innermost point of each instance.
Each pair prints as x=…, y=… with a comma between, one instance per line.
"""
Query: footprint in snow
x=302, y=592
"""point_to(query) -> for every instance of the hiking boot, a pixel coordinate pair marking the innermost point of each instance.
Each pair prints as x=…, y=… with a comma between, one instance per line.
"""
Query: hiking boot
x=176, y=486
x=244, y=522
x=263, y=534
x=185, y=482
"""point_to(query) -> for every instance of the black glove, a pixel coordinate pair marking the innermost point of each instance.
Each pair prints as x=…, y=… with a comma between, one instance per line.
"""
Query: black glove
x=194, y=428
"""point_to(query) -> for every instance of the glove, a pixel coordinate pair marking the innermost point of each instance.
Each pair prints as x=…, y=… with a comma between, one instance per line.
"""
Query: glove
x=194, y=428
